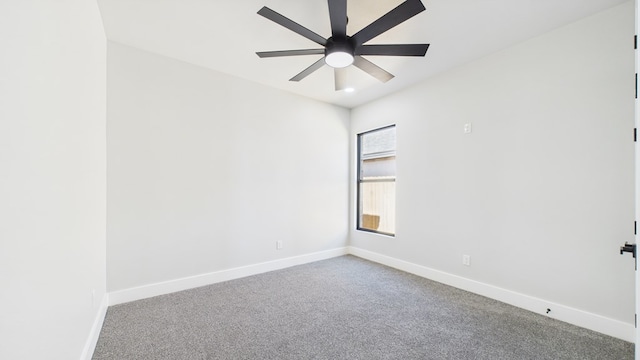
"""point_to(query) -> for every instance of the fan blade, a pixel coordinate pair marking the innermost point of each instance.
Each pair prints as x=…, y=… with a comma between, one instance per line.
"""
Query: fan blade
x=306, y=72
x=340, y=75
x=400, y=14
x=393, y=50
x=338, y=16
x=292, y=25
x=372, y=69
x=266, y=54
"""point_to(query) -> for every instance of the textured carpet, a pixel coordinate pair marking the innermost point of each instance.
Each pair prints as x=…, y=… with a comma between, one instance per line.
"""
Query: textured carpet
x=342, y=308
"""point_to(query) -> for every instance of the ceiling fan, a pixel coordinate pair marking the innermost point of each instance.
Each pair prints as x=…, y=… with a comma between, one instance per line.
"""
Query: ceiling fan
x=341, y=50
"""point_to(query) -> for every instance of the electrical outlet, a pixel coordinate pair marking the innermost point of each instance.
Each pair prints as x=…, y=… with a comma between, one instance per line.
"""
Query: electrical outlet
x=466, y=260
x=279, y=245
x=467, y=128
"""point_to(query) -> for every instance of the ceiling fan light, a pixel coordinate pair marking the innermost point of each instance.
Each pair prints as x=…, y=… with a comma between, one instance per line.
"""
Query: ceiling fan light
x=338, y=59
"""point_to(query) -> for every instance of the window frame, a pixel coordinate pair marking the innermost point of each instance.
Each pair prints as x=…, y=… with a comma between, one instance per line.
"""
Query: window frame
x=359, y=181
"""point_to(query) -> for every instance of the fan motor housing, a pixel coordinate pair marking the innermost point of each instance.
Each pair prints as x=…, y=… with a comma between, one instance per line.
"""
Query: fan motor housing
x=339, y=52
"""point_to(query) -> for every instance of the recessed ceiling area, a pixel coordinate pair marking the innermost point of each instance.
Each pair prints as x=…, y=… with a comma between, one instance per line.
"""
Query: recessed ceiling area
x=225, y=35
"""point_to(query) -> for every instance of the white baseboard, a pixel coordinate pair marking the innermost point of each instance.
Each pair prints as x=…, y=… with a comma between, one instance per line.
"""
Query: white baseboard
x=601, y=324
x=167, y=287
x=94, y=334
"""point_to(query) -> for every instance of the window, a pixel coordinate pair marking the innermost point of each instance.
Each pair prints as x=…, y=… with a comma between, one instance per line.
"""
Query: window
x=377, y=181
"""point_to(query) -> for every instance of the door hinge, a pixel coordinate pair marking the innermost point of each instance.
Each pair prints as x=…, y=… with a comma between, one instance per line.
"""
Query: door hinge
x=635, y=228
x=635, y=134
x=635, y=42
x=636, y=320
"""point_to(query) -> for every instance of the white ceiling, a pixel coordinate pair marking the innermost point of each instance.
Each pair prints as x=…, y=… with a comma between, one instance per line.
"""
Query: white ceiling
x=224, y=35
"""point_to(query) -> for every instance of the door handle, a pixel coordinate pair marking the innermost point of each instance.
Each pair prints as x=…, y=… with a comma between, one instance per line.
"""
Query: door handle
x=628, y=248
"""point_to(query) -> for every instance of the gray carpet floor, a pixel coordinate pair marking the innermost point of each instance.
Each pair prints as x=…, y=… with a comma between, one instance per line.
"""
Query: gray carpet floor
x=342, y=308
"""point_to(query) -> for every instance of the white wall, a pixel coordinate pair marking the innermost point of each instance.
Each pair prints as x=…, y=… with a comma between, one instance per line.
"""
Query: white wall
x=207, y=172
x=52, y=177
x=540, y=194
